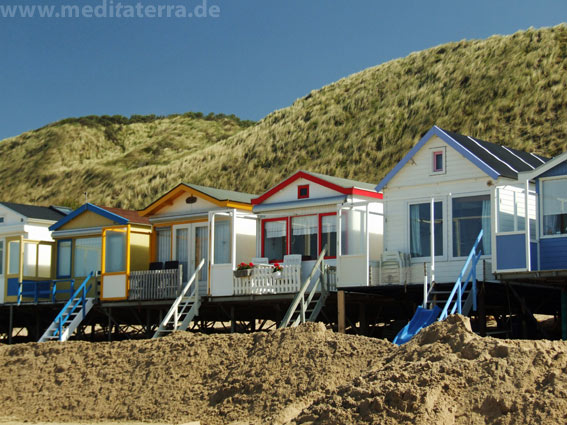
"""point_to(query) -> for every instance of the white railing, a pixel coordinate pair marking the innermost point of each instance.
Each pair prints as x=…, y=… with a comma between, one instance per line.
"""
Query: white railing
x=263, y=280
x=331, y=272
x=155, y=284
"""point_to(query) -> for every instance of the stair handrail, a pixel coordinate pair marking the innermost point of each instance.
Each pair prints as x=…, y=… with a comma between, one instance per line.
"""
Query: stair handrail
x=299, y=296
x=184, y=290
x=78, y=298
x=458, y=289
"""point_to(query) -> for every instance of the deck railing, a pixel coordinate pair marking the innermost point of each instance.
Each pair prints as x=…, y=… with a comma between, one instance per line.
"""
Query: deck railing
x=155, y=284
x=263, y=280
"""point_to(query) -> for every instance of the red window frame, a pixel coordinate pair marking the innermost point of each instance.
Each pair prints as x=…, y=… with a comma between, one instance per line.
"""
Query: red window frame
x=327, y=257
x=299, y=188
x=287, y=239
x=435, y=155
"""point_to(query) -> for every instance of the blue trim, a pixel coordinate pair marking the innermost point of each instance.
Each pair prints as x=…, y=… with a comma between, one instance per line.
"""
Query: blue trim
x=300, y=203
x=89, y=207
x=57, y=274
x=436, y=131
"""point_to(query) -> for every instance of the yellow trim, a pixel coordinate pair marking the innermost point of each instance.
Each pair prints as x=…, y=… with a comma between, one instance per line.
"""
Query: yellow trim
x=176, y=223
x=114, y=299
x=181, y=189
x=124, y=229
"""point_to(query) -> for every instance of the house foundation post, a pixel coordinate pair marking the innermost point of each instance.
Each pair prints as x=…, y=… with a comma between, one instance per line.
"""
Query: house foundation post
x=341, y=317
x=11, y=324
x=564, y=314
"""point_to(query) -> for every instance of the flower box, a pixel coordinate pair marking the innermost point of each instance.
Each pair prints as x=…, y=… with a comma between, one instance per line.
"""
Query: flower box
x=242, y=273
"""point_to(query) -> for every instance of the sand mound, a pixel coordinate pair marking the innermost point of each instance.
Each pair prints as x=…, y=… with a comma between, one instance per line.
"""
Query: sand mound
x=446, y=375
x=258, y=378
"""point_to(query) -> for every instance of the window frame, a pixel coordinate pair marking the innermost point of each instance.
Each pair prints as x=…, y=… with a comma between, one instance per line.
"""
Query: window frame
x=290, y=234
x=321, y=215
x=73, y=271
x=57, y=274
x=299, y=188
x=450, y=220
x=444, y=216
x=287, y=238
x=288, y=219
x=542, y=180
x=434, y=153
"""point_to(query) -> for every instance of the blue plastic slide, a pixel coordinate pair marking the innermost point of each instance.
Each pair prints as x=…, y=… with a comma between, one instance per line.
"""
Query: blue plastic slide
x=421, y=319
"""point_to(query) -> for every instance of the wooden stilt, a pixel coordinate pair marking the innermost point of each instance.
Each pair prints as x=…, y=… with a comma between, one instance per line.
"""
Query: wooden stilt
x=481, y=311
x=11, y=324
x=232, y=320
x=564, y=314
x=341, y=311
x=363, y=320
x=109, y=324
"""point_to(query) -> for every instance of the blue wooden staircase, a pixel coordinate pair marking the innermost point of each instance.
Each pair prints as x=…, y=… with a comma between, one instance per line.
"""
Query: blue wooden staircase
x=440, y=304
x=71, y=315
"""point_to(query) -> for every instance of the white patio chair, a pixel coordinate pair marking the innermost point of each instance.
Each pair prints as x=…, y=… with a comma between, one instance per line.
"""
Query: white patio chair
x=260, y=260
x=292, y=259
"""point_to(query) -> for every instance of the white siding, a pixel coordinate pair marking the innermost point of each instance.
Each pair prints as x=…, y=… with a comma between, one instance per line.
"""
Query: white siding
x=416, y=183
x=179, y=207
x=289, y=193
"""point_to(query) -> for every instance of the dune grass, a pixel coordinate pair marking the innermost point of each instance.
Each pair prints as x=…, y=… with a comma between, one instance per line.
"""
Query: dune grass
x=505, y=89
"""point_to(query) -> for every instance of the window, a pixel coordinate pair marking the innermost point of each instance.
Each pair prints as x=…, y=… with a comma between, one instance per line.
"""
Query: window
x=1, y=219
x=304, y=235
x=14, y=257
x=420, y=229
x=274, y=242
x=1, y=258
x=87, y=256
x=115, y=252
x=30, y=259
x=328, y=228
x=471, y=214
x=303, y=191
x=438, y=161
x=555, y=207
x=64, y=259
x=222, y=242
x=163, y=244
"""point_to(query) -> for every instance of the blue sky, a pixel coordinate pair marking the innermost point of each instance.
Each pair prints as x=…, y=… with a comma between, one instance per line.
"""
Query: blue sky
x=256, y=57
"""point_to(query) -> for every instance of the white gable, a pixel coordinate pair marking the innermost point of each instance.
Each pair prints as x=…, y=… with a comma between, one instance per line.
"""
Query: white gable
x=181, y=207
x=10, y=217
x=419, y=170
x=289, y=193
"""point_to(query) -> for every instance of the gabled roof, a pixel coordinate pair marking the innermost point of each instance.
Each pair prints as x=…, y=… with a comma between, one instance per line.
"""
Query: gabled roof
x=344, y=186
x=552, y=163
x=223, y=195
x=493, y=159
x=34, y=211
x=117, y=215
x=220, y=197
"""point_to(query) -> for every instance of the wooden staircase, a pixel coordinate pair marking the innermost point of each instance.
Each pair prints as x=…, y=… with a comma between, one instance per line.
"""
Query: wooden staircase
x=71, y=315
x=184, y=308
x=307, y=304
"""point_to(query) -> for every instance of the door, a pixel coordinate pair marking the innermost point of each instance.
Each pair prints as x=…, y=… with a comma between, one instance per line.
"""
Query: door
x=352, y=258
x=191, y=244
x=200, y=244
x=2, y=264
x=115, y=263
